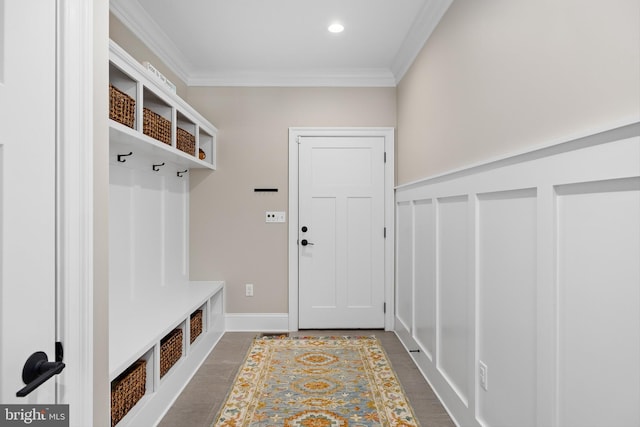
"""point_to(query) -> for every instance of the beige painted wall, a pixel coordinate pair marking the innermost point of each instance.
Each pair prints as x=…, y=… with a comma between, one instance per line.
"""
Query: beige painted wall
x=229, y=238
x=132, y=44
x=501, y=76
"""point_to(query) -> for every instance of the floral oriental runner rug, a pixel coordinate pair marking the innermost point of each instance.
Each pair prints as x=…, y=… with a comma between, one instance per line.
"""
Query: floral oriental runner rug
x=316, y=382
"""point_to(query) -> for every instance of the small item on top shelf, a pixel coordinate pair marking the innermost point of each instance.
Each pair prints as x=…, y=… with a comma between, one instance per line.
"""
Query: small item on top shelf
x=202, y=155
x=159, y=76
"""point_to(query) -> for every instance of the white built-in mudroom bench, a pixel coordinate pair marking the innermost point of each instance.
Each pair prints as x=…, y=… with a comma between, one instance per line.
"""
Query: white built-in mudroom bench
x=162, y=326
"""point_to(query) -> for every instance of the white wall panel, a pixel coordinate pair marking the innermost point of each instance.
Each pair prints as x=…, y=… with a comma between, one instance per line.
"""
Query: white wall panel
x=425, y=276
x=176, y=250
x=121, y=248
x=536, y=264
x=148, y=215
x=453, y=293
x=148, y=224
x=404, y=282
x=599, y=304
x=507, y=307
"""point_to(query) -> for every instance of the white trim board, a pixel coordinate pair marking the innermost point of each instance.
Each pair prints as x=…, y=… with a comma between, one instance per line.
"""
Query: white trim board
x=618, y=130
x=388, y=134
x=74, y=199
x=256, y=322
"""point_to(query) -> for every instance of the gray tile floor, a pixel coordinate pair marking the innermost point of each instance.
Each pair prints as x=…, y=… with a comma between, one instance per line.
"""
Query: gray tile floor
x=201, y=400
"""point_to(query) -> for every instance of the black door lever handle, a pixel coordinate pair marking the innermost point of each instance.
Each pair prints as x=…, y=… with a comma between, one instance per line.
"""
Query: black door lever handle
x=37, y=370
x=305, y=242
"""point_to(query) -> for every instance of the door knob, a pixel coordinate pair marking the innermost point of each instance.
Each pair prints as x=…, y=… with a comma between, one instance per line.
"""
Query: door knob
x=304, y=242
x=37, y=370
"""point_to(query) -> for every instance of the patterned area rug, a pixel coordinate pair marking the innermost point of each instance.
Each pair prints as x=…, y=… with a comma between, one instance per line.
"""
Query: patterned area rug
x=316, y=382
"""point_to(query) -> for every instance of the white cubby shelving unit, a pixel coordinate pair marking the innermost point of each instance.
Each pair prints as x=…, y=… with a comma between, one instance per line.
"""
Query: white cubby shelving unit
x=128, y=76
x=150, y=293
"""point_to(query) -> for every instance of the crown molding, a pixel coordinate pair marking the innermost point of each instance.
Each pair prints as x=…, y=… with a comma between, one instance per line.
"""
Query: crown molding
x=375, y=77
x=424, y=24
x=138, y=21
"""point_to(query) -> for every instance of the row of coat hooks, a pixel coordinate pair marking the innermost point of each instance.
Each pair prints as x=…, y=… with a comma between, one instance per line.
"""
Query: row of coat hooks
x=156, y=168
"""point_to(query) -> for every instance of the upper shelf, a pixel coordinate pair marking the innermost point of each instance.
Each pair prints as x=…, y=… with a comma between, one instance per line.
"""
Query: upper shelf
x=163, y=124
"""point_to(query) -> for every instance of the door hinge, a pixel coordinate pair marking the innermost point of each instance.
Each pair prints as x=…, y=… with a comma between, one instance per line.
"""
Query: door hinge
x=385, y=157
x=384, y=307
x=384, y=233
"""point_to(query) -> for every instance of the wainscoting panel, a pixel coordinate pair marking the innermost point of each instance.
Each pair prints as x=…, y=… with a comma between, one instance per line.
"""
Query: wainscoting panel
x=507, y=290
x=453, y=293
x=599, y=303
x=425, y=276
x=518, y=284
x=404, y=282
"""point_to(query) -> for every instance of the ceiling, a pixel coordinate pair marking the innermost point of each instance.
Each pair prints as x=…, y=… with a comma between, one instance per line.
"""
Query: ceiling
x=283, y=42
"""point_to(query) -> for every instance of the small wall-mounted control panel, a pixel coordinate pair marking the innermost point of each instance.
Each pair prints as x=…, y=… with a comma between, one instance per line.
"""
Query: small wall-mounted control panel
x=275, y=216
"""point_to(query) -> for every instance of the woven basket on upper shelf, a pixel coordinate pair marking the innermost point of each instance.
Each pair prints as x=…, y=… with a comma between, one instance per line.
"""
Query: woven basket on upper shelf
x=195, y=325
x=170, y=350
x=127, y=390
x=185, y=141
x=122, y=107
x=156, y=126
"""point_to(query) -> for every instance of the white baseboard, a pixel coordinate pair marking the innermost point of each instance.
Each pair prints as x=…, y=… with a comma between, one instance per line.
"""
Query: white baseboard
x=258, y=322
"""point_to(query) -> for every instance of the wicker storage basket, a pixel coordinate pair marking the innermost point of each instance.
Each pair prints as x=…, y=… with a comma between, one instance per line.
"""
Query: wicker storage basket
x=156, y=126
x=185, y=141
x=127, y=390
x=122, y=107
x=196, y=325
x=170, y=350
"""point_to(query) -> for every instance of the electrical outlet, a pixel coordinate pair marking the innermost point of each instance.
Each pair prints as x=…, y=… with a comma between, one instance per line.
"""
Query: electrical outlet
x=483, y=372
x=270, y=216
x=248, y=290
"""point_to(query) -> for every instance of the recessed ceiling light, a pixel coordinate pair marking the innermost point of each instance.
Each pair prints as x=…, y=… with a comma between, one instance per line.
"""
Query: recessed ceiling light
x=336, y=28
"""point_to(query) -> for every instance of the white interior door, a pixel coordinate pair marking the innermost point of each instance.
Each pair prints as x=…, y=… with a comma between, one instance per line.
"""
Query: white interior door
x=27, y=192
x=341, y=232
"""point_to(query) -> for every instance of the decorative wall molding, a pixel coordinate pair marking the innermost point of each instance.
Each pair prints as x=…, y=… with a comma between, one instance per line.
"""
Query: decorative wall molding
x=370, y=77
x=426, y=21
x=519, y=264
x=138, y=21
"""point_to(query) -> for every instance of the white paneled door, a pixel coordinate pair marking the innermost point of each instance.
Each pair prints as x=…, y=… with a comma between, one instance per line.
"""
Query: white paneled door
x=341, y=238
x=27, y=192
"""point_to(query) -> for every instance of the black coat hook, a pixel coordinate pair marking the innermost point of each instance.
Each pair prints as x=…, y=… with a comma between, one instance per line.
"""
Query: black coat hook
x=180, y=173
x=156, y=168
x=120, y=157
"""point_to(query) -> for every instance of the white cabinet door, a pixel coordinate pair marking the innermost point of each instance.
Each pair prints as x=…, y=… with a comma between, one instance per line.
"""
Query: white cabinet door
x=27, y=192
x=341, y=232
